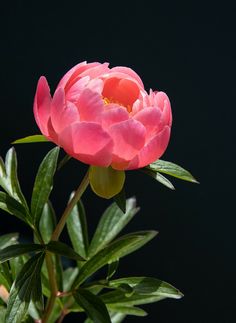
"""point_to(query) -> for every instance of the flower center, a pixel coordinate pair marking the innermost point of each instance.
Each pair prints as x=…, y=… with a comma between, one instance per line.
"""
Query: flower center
x=111, y=100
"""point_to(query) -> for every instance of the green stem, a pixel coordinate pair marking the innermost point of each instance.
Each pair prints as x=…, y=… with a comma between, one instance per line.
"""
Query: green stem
x=53, y=287
x=83, y=185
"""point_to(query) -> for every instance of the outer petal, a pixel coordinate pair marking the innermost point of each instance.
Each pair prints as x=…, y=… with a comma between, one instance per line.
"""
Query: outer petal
x=129, y=138
x=87, y=142
x=90, y=106
x=150, y=118
x=62, y=113
x=42, y=105
x=153, y=150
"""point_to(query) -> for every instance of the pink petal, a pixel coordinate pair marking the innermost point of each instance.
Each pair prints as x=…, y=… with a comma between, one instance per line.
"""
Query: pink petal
x=160, y=99
x=129, y=138
x=122, y=91
x=76, y=89
x=62, y=113
x=128, y=71
x=90, y=106
x=152, y=151
x=113, y=114
x=87, y=142
x=42, y=105
x=150, y=118
x=96, y=71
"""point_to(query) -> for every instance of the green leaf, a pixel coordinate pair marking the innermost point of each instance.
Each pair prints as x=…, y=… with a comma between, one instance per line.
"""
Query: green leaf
x=127, y=310
x=8, y=240
x=172, y=169
x=5, y=275
x=112, y=268
x=2, y=314
x=93, y=306
x=3, y=279
x=47, y=222
x=147, y=285
x=11, y=171
x=111, y=223
x=43, y=184
x=17, y=250
x=69, y=276
x=17, y=263
x=117, y=249
x=31, y=139
x=27, y=286
x=115, y=318
x=120, y=200
x=12, y=206
x=160, y=178
x=63, y=161
x=63, y=249
x=77, y=229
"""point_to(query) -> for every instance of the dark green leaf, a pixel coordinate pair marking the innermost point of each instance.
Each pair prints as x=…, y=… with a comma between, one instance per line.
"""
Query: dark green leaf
x=16, y=264
x=93, y=306
x=8, y=240
x=63, y=249
x=17, y=250
x=160, y=178
x=31, y=139
x=3, y=279
x=5, y=275
x=47, y=222
x=11, y=170
x=112, y=268
x=117, y=249
x=43, y=184
x=77, y=229
x=120, y=200
x=111, y=223
x=63, y=161
x=26, y=287
x=172, y=169
x=12, y=206
x=147, y=285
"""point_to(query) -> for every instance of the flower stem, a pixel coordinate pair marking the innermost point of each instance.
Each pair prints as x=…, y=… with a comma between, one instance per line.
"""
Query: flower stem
x=53, y=287
x=83, y=185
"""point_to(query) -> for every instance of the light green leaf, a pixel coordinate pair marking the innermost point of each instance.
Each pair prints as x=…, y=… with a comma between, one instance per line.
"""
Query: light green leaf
x=3, y=280
x=2, y=314
x=31, y=139
x=47, y=222
x=111, y=223
x=43, y=184
x=8, y=239
x=77, y=229
x=115, y=318
x=26, y=287
x=112, y=268
x=17, y=250
x=93, y=306
x=12, y=206
x=172, y=169
x=160, y=178
x=63, y=162
x=17, y=263
x=127, y=310
x=147, y=285
x=5, y=275
x=63, y=249
x=117, y=249
x=69, y=276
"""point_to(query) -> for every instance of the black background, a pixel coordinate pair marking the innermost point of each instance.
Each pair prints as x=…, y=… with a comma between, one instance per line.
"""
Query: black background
x=185, y=48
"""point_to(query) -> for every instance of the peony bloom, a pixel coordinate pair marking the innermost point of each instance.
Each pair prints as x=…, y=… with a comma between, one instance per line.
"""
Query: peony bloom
x=104, y=117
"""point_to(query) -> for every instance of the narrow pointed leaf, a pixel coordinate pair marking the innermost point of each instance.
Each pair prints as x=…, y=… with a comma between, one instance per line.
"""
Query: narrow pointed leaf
x=47, y=222
x=8, y=240
x=93, y=306
x=31, y=139
x=127, y=310
x=43, y=184
x=115, y=318
x=63, y=162
x=172, y=169
x=112, y=222
x=147, y=285
x=12, y=206
x=11, y=170
x=112, y=268
x=118, y=249
x=120, y=200
x=69, y=276
x=63, y=249
x=77, y=229
x=23, y=289
x=5, y=275
x=160, y=178
x=2, y=313
x=17, y=250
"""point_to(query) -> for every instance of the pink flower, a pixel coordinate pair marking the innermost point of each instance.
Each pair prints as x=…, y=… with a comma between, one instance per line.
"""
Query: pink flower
x=104, y=117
